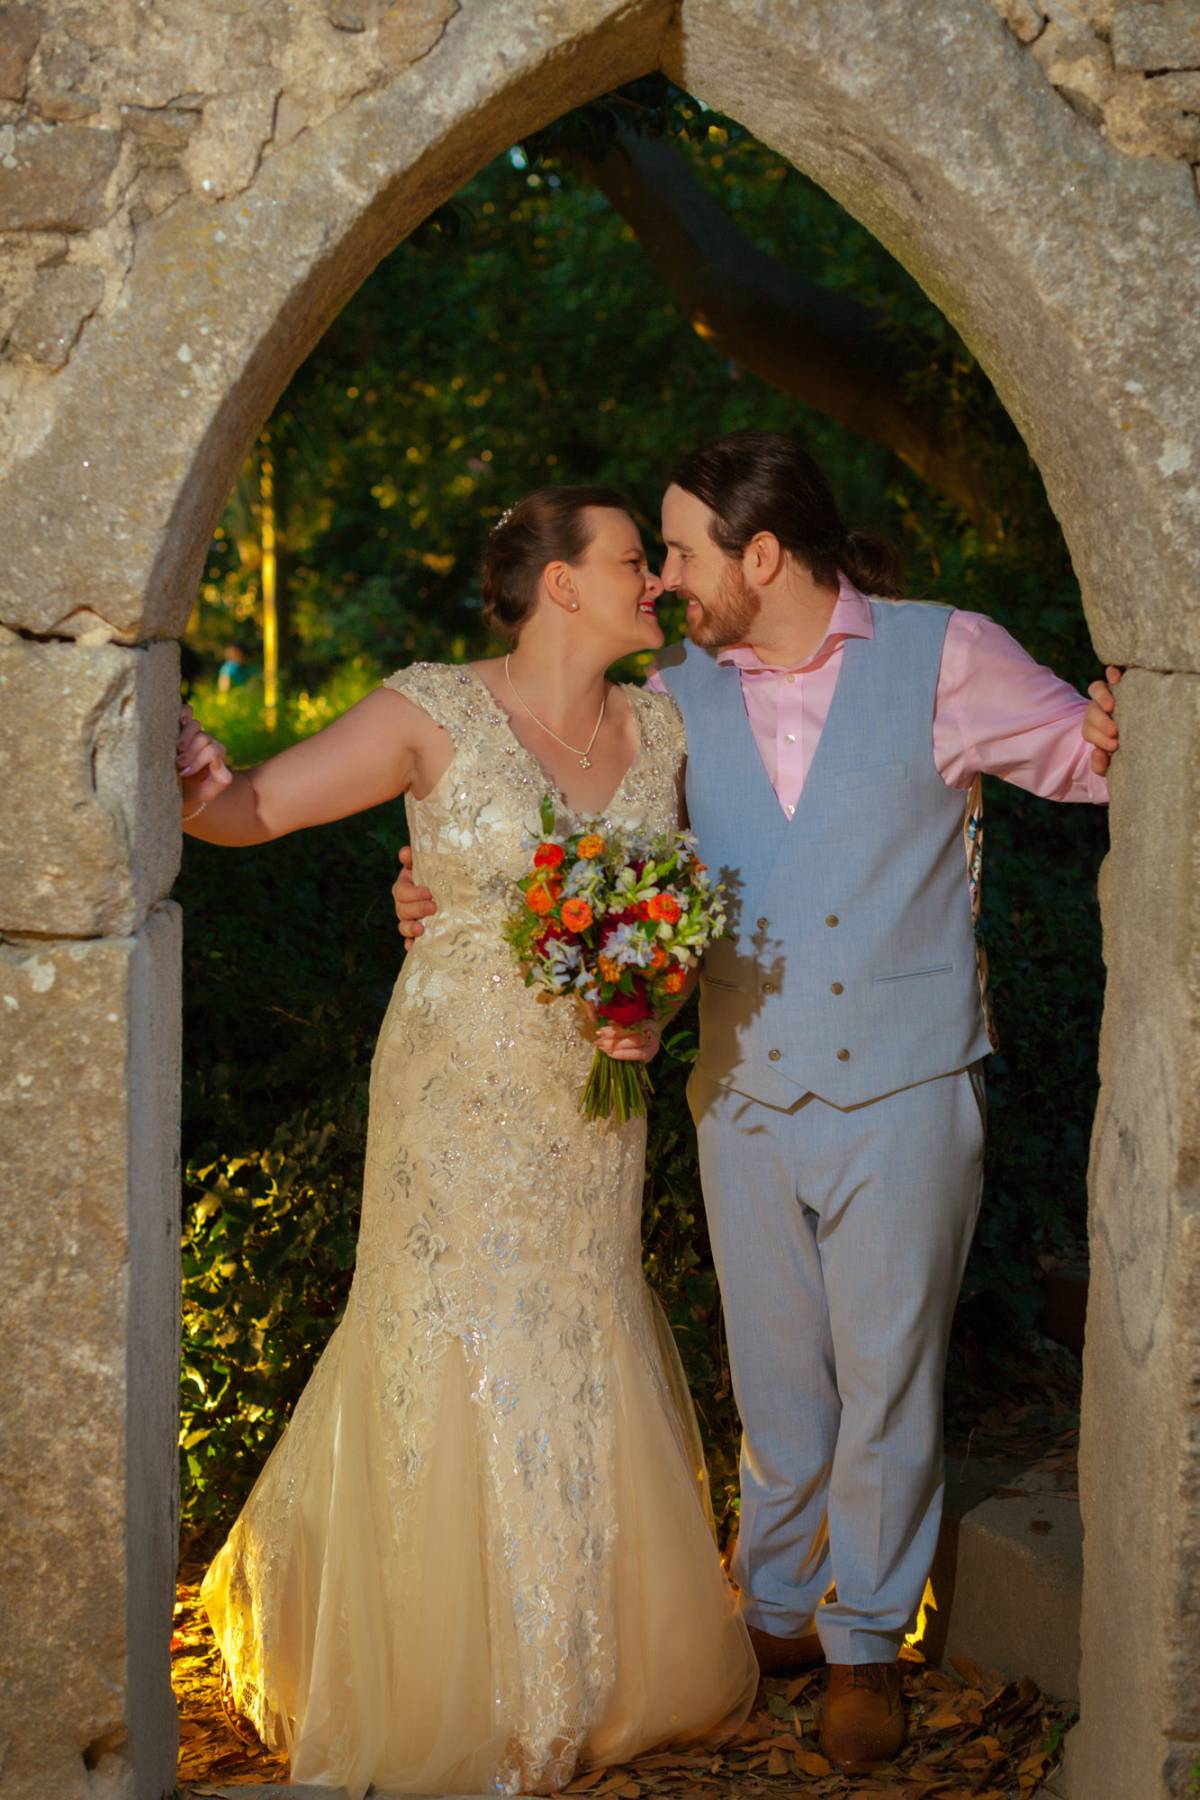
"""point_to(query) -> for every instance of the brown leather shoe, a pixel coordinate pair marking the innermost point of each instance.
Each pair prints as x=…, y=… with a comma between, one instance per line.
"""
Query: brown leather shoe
x=785, y=1656
x=862, y=1718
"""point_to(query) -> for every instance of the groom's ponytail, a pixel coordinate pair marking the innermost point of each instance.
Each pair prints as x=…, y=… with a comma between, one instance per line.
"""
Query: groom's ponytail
x=873, y=564
x=756, y=481
x=549, y=525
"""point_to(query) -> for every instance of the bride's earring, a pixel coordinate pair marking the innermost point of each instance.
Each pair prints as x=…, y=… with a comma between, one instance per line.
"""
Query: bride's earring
x=574, y=606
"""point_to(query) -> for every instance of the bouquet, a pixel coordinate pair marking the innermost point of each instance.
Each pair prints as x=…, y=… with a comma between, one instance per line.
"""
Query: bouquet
x=617, y=921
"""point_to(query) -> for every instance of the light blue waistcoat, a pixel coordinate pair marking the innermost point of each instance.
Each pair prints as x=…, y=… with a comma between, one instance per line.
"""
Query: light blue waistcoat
x=850, y=970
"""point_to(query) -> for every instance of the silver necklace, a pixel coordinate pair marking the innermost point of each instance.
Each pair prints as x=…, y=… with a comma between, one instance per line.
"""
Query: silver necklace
x=585, y=759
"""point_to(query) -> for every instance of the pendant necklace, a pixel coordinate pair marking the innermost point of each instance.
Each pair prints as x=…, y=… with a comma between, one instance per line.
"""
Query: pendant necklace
x=585, y=760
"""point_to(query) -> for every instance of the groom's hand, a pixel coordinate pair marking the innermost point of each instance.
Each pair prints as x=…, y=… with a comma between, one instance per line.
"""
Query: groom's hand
x=1099, y=725
x=412, y=903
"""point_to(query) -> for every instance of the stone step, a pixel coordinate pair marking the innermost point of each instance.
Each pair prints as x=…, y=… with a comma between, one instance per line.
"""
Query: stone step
x=1008, y=1574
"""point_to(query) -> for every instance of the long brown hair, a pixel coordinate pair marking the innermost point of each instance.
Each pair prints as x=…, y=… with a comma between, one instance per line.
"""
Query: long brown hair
x=549, y=525
x=761, y=481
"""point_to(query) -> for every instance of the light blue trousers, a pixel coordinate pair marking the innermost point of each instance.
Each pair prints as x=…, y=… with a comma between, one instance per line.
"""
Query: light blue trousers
x=840, y=1239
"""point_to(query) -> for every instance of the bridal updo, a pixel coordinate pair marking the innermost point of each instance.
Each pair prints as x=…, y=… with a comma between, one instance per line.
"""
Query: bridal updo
x=549, y=525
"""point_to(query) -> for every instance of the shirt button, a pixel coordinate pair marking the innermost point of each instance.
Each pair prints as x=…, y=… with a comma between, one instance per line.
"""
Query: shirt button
x=790, y=678
x=843, y=1056
x=790, y=738
x=789, y=810
x=835, y=987
x=775, y=1055
x=832, y=919
x=762, y=924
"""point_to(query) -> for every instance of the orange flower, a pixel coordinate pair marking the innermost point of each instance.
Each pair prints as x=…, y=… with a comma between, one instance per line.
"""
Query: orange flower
x=576, y=915
x=539, y=899
x=659, y=959
x=590, y=846
x=664, y=906
x=609, y=970
x=673, y=982
x=547, y=856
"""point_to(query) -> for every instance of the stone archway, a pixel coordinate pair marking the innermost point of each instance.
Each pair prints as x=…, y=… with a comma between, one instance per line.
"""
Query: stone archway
x=188, y=192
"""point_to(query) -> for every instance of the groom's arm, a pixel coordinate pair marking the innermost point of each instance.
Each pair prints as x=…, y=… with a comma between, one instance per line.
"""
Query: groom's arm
x=998, y=712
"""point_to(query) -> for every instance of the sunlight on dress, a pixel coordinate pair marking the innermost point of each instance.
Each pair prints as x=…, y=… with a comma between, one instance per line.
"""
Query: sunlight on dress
x=481, y=1557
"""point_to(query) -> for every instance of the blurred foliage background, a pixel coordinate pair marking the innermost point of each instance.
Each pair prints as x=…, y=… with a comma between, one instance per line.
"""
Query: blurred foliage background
x=553, y=324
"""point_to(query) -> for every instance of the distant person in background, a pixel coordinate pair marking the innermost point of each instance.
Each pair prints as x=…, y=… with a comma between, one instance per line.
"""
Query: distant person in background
x=235, y=670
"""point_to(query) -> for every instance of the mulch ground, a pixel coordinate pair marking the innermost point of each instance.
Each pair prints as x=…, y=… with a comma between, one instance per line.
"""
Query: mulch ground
x=973, y=1736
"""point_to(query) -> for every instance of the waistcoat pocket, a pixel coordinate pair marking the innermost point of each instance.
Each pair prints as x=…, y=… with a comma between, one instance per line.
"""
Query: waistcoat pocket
x=913, y=974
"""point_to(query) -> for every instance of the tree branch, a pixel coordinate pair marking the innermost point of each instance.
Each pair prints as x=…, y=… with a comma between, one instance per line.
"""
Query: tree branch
x=823, y=347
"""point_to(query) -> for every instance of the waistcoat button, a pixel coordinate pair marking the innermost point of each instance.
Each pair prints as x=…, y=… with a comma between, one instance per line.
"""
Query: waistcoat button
x=835, y=987
x=762, y=923
x=843, y=1056
x=774, y=1055
x=768, y=987
x=832, y=919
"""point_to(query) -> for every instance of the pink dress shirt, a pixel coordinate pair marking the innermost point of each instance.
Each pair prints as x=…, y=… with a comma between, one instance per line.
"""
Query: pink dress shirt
x=996, y=711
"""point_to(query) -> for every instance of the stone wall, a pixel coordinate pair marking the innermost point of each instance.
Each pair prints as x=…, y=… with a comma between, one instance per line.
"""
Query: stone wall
x=189, y=190
x=1129, y=67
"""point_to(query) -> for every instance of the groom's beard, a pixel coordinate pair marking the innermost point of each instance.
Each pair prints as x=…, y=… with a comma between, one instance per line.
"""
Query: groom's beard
x=728, y=617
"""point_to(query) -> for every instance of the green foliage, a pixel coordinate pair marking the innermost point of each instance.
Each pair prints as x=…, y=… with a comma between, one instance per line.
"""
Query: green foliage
x=291, y=950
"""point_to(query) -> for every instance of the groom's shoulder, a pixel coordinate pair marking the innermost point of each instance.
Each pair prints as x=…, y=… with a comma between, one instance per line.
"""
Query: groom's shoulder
x=920, y=618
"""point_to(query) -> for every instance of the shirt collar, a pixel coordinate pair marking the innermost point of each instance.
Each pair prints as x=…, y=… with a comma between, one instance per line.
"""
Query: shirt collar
x=851, y=617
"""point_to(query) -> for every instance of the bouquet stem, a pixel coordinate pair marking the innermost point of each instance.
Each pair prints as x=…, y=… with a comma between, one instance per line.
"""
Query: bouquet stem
x=615, y=1089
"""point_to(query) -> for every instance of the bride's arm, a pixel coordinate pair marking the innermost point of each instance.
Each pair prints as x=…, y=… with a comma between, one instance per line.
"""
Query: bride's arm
x=374, y=752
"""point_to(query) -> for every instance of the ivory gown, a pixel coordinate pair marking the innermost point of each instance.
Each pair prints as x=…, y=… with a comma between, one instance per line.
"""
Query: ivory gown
x=480, y=1556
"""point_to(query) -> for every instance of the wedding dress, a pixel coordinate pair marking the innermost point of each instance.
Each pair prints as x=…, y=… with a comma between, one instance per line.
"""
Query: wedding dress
x=480, y=1556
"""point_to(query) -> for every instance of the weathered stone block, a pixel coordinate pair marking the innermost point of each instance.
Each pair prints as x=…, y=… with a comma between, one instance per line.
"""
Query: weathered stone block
x=225, y=151
x=1017, y=1578
x=20, y=29
x=1159, y=117
x=1079, y=65
x=89, y=1283
x=89, y=805
x=52, y=177
x=411, y=28
x=1140, y=1446
x=170, y=125
x=22, y=254
x=1023, y=18
x=47, y=326
x=1156, y=34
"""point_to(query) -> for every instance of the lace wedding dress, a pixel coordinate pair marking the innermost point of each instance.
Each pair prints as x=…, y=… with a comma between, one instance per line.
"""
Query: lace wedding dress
x=480, y=1556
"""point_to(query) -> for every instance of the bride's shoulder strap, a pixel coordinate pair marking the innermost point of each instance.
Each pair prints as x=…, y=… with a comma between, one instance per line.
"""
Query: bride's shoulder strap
x=445, y=691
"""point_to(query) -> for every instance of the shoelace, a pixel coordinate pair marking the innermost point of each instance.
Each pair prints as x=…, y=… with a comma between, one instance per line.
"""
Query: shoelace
x=872, y=1676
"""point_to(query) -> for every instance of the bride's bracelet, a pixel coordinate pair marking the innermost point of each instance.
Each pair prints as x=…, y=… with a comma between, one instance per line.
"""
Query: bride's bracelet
x=194, y=815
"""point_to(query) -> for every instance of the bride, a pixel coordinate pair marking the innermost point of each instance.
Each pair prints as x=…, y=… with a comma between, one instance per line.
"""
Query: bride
x=480, y=1557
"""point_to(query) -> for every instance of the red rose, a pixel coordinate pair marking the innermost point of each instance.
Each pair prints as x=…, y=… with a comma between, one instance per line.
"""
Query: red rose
x=627, y=1009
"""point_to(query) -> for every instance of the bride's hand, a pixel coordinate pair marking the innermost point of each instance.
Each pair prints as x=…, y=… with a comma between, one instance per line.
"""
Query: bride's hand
x=199, y=761
x=639, y=1043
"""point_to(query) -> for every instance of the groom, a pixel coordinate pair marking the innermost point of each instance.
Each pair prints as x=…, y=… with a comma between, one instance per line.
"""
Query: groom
x=835, y=745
